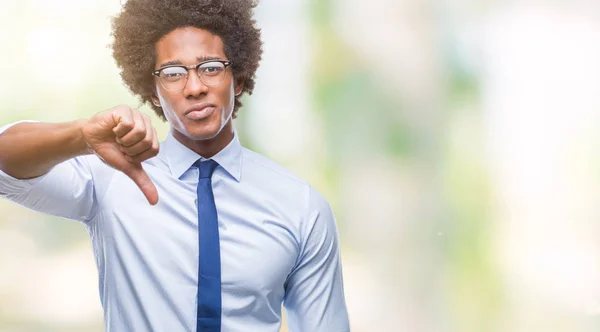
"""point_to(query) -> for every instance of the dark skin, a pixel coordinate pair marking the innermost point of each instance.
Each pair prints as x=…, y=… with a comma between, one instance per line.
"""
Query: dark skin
x=210, y=129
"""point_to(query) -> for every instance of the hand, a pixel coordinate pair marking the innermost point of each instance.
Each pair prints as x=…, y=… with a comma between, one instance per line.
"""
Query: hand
x=123, y=137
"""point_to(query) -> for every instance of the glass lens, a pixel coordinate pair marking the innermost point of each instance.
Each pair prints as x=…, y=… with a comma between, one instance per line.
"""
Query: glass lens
x=212, y=73
x=173, y=78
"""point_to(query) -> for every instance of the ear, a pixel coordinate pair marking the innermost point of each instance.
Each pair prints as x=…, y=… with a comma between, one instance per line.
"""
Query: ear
x=155, y=100
x=239, y=86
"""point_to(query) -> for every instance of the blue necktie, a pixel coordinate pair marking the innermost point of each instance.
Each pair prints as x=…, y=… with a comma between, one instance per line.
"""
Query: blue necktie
x=209, y=265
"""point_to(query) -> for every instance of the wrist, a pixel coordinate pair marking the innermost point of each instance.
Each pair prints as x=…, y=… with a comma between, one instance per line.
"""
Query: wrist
x=82, y=147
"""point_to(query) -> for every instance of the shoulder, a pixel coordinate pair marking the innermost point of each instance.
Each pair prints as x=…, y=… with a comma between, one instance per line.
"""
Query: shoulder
x=268, y=174
x=259, y=165
x=276, y=183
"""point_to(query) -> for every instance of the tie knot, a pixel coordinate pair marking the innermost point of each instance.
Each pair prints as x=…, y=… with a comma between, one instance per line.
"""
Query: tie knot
x=206, y=168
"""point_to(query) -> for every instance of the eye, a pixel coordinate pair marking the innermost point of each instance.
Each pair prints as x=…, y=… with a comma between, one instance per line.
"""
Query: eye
x=212, y=68
x=173, y=73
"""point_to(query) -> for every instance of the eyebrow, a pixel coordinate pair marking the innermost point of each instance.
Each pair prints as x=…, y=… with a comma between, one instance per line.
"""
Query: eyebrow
x=199, y=59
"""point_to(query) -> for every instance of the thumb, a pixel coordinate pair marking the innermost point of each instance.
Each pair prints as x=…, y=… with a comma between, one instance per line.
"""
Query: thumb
x=142, y=180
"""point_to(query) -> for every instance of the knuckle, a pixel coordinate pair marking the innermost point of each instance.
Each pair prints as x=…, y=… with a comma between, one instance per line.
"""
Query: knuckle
x=139, y=131
x=122, y=109
x=127, y=124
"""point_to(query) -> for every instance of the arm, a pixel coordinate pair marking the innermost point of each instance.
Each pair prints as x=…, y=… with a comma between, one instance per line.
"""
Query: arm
x=29, y=150
x=121, y=137
x=314, y=299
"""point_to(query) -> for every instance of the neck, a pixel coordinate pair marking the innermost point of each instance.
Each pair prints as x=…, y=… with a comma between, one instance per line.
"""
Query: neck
x=210, y=147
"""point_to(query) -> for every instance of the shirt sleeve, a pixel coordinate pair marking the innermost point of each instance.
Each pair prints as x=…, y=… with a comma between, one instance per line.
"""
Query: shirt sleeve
x=67, y=190
x=314, y=299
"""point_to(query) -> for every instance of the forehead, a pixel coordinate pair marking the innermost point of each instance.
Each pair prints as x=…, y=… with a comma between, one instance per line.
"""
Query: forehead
x=187, y=44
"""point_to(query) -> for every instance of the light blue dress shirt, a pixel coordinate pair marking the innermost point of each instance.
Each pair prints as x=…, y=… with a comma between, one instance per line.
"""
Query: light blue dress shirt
x=279, y=240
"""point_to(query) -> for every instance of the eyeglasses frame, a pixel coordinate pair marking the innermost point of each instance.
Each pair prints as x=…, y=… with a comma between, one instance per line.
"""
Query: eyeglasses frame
x=225, y=63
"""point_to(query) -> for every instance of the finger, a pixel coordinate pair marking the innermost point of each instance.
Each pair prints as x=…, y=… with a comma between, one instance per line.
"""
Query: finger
x=155, y=142
x=145, y=144
x=136, y=134
x=142, y=180
x=150, y=153
x=123, y=117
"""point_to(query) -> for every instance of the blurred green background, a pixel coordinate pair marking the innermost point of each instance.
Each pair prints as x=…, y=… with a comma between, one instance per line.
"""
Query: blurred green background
x=456, y=140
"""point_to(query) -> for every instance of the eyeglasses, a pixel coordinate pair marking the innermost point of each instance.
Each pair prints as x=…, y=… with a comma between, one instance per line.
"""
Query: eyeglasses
x=175, y=77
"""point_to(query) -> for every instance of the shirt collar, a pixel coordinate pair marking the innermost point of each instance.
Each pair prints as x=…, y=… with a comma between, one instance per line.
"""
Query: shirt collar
x=180, y=158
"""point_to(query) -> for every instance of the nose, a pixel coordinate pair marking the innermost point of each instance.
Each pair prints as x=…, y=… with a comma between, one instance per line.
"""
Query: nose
x=194, y=86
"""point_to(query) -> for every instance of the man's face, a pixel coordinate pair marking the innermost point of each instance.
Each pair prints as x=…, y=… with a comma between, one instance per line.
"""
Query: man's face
x=197, y=111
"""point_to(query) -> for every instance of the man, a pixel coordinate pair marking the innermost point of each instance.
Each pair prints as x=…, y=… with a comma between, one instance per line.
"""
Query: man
x=196, y=233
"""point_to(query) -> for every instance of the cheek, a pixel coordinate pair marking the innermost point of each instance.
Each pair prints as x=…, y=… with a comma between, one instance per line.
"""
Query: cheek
x=166, y=107
x=169, y=112
x=229, y=98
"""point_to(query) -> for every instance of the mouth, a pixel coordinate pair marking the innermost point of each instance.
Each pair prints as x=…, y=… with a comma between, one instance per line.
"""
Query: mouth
x=199, y=112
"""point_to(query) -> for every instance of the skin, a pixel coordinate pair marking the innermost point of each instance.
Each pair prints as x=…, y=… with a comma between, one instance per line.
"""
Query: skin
x=189, y=46
x=121, y=136
x=124, y=137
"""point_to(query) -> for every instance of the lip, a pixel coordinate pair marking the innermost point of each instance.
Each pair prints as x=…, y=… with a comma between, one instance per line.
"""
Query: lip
x=200, y=111
x=198, y=107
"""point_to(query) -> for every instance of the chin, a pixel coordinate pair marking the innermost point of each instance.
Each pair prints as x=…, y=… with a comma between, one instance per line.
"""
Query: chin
x=202, y=132
x=201, y=135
